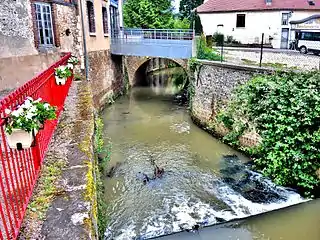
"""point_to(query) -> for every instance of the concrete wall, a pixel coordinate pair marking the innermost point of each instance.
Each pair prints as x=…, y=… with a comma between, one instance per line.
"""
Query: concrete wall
x=257, y=22
x=214, y=89
x=16, y=34
x=15, y=71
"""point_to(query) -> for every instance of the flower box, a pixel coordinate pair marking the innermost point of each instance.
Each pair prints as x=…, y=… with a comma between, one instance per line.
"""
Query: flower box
x=62, y=73
x=60, y=81
x=25, y=121
x=20, y=139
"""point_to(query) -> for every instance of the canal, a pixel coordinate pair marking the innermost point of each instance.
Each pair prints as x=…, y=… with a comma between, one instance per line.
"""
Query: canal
x=204, y=182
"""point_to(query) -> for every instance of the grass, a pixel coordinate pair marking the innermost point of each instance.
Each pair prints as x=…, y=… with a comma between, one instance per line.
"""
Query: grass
x=100, y=149
x=47, y=189
x=275, y=65
x=249, y=62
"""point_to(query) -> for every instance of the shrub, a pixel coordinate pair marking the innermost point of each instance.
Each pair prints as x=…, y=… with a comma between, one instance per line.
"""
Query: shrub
x=204, y=52
x=284, y=109
x=218, y=38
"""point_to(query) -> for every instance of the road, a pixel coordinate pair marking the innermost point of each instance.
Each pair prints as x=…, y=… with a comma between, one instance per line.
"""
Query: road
x=281, y=58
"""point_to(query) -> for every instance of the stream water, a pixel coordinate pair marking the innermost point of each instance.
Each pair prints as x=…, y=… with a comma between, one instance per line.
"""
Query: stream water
x=205, y=182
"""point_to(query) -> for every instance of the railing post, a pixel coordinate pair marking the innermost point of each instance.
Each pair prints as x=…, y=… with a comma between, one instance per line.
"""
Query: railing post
x=261, y=50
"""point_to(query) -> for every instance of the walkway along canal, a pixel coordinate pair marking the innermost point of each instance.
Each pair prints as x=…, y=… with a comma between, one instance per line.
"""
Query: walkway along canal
x=205, y=182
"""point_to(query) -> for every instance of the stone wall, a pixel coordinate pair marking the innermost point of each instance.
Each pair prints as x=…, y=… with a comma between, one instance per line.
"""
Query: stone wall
x=68, y=29
x=134, y=63
x=214, y=88
x=16, y=32
x=105, y=75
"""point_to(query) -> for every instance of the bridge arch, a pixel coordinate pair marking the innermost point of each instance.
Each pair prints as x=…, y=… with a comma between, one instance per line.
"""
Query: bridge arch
x=133, y=64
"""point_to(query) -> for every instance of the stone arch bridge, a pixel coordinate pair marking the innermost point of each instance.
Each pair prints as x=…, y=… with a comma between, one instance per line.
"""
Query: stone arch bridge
x=133, y=64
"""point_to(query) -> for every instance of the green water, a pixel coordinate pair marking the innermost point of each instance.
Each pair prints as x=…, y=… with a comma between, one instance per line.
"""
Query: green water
x=201, y=181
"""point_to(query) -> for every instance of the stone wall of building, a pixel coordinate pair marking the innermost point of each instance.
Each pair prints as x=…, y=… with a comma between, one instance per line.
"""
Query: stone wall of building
x=105, y=75
x=68, y=24
x=214, y=86
x=16, y=31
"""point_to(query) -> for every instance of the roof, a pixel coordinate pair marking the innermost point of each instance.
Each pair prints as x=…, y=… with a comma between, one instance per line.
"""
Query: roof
x=211, y=6
x=316, y=16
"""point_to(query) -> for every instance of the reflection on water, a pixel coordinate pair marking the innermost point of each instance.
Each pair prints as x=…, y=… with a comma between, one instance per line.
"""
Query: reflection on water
x=167, y=81
x=205, y=182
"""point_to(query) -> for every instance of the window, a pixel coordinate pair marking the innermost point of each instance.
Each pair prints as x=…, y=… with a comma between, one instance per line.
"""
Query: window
x=316, y=36
x=241, y=20
x=285, y=18
x=44, y=24
x=306, y=36
x=105, y=20
x=91, y=21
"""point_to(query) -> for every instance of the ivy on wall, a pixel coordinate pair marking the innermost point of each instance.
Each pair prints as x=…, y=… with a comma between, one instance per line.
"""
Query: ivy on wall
x=284, y=109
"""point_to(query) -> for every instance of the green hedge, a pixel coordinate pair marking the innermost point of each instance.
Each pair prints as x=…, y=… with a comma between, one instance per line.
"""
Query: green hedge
x=284, y=109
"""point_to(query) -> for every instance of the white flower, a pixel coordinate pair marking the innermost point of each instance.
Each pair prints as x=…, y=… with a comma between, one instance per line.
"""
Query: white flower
x=27, y=104
x=30, y=98
x=46, y=106
x=17, y=113
x=38, y=100
x=70, y=66
x=33, y=109
x=7, y=111
x=30, y=115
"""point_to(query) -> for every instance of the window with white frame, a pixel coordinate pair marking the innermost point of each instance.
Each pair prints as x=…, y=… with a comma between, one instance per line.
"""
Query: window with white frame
x=44, y=24
x=285, y=19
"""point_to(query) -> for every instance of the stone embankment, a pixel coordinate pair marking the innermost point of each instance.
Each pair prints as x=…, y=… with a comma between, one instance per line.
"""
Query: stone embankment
x=68, y=202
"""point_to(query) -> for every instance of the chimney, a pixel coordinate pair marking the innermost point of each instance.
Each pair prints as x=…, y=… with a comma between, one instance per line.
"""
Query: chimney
x=268, y=2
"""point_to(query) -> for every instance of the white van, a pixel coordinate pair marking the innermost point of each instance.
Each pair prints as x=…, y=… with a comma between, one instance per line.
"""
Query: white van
x=308, y=41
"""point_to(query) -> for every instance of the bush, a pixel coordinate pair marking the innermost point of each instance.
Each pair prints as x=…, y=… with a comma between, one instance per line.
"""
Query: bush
x=284, y=109
x=204, y=52
x=218, y=38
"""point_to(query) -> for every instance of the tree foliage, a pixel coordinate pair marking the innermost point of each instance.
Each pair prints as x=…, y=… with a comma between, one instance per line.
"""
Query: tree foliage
x=284, y=109
x=148, y=14
x=186, y=11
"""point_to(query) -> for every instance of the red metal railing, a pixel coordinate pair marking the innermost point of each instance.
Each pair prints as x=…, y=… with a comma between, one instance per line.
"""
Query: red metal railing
x=19, y=169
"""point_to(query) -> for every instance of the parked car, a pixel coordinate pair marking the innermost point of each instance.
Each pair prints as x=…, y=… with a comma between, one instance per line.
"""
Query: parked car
x=308, y=41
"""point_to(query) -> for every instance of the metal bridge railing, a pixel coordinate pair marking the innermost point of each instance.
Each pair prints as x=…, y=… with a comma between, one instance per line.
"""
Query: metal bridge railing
x=144, y=34
x=19, y=170
x=169, y=43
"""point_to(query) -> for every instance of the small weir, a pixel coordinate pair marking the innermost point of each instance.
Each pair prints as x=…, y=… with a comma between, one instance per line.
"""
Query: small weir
x=204, y=182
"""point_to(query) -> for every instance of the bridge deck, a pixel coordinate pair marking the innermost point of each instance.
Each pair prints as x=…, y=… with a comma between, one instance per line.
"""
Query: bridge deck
x=153, y=43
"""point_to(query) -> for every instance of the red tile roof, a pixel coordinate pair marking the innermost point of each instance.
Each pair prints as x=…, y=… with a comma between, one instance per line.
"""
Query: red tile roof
x=255, y=5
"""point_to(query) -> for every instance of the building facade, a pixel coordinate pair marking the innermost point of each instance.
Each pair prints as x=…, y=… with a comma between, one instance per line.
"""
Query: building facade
x=245, y=21
x=34, y=33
